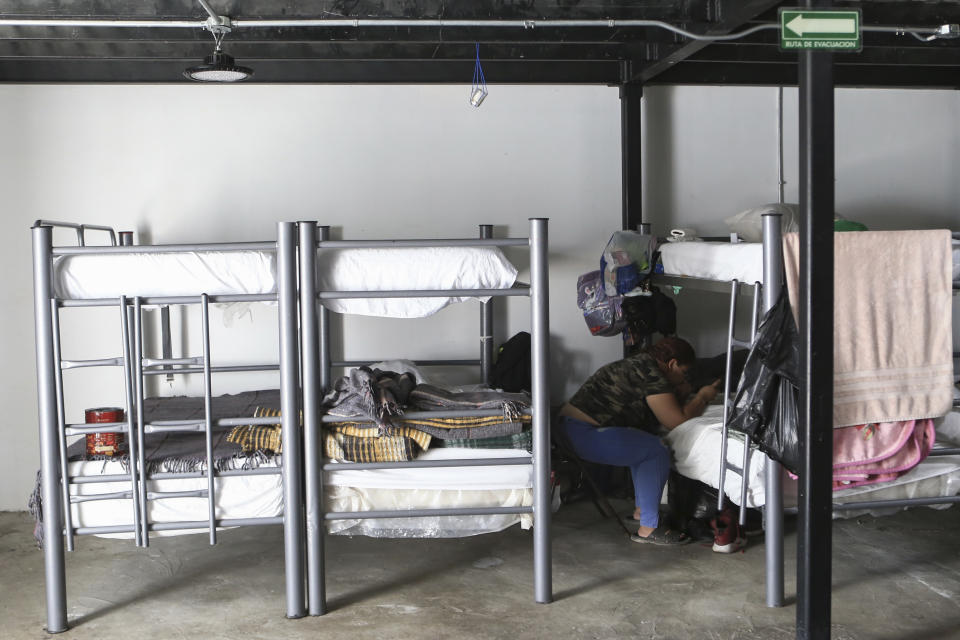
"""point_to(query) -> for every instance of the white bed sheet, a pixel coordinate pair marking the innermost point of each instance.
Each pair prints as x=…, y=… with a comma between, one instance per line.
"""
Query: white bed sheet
x=741, y=261
x=696, y=449
x=348, y=490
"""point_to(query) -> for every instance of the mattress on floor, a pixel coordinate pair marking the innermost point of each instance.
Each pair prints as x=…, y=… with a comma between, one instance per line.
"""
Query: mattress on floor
x=726, y=261
x=347, y=490
x=255, y=272
x=696, y=450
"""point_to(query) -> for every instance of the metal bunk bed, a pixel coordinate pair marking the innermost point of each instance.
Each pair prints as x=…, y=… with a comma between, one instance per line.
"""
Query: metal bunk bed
x=56, y=480
x=773, y=508
x=317, y=364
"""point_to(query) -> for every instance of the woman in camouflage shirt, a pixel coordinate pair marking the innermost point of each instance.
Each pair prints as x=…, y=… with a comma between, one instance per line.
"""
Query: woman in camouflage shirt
x=614, y=416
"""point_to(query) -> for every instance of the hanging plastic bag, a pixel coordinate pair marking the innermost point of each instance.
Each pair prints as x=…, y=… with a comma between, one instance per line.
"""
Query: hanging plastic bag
x=765, y=407
x=627, y=261
x=603, y=314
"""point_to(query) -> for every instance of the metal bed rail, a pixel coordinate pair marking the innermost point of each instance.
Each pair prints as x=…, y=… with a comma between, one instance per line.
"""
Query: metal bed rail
x=316, y=364
x=55, y=483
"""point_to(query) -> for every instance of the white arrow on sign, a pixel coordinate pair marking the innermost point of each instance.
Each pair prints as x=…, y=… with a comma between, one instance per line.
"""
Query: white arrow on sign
x=839, y=26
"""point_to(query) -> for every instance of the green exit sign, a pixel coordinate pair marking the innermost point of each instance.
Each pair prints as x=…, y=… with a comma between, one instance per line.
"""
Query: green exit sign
x=829, y=30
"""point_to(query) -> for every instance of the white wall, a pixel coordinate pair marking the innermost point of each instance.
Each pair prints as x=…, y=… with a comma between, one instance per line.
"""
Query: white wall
x=203, y=163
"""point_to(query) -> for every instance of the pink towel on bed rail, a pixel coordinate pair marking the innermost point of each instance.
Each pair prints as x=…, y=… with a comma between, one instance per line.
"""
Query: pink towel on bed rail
x=871, y=453
x=892, y=340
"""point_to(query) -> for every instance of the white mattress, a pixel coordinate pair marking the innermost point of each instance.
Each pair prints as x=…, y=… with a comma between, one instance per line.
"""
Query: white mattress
x=741, y=261
x=348, y=490
x=696, y=447
x=255, y=272
x=401, y=268
x=165, y=274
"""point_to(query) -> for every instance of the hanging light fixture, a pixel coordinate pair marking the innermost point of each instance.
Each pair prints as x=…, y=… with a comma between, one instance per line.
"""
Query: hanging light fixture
x=218, y=66
x=478, y=89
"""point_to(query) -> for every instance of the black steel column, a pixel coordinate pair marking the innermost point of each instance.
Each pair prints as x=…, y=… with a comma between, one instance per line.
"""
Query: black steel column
x=630, y=147
x=814, y=538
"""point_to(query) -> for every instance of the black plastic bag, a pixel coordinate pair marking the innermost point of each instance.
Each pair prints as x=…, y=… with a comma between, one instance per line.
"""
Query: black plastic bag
x=511, y=371
x=765, y=407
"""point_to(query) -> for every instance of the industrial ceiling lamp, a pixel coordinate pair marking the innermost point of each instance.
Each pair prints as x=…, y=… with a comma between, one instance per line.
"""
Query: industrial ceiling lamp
x=218, y=66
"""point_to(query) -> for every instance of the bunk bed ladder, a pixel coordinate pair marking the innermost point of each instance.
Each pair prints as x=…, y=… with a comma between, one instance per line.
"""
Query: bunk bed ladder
x=728, y=386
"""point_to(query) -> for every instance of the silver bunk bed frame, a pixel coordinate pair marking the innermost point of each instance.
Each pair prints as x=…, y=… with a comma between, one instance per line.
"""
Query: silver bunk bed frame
x=306, y=351
x=56, y=481
x=317, y=364
x=773, y=509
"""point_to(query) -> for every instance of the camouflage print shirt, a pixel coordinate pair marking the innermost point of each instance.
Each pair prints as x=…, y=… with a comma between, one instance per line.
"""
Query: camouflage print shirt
x=616, y=395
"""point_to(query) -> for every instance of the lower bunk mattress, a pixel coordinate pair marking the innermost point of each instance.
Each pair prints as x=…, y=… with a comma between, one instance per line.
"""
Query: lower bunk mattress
x=696, y=446
x=261, y=496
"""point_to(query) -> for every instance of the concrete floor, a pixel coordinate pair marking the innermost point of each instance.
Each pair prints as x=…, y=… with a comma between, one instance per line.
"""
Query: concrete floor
x=894, y=578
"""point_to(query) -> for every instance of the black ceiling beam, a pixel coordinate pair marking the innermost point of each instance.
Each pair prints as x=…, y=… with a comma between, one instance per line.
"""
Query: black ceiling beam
x=294, y=51
x=731, y=15
x=922, y=55
x=316, y=71
x=785, y=74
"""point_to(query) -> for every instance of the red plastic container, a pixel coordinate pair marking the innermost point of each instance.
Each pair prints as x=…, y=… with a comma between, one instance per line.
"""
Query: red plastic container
x=105, y=444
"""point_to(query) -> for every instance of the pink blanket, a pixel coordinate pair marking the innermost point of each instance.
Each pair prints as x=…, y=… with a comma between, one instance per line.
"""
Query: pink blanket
x=878, y=452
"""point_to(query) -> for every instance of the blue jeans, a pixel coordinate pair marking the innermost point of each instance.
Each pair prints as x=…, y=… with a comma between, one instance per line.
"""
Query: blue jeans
x=647, y=457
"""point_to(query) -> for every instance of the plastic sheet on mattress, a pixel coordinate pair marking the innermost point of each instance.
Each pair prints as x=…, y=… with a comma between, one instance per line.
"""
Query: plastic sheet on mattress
x=348, y=499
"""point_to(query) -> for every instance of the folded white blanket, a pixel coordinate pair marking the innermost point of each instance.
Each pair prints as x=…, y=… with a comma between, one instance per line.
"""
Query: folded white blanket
x=893, y=356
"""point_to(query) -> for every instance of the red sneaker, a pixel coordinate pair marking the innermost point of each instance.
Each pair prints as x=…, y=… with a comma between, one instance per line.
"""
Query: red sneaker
x=727, y=536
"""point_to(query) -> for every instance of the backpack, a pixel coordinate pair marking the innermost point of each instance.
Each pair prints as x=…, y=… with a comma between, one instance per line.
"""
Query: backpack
x=511, y=371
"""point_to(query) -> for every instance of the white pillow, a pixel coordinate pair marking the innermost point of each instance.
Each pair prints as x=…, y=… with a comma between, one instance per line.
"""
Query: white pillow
x=749, y=224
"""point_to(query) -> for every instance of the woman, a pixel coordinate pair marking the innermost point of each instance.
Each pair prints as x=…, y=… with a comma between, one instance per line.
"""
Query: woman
x=607, y=421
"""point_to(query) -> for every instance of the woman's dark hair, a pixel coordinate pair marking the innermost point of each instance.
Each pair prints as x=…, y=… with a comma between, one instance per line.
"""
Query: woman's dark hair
x=671, y=347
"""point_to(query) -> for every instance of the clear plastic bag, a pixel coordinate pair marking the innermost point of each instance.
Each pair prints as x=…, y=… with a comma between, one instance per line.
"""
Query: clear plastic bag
x=626, y=261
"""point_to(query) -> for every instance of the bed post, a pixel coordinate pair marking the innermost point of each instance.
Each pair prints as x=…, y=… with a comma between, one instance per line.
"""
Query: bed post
x=773, y=490
x=312, y=437
x=56, y=589
x=323, y=232
x=540, y=388
x=486, y=325
x=290, y=417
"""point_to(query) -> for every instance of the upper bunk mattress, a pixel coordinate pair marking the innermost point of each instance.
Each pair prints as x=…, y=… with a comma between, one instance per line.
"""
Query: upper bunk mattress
x=409, y=268
x=188, y=273
x=101, y=276
x=726, y=261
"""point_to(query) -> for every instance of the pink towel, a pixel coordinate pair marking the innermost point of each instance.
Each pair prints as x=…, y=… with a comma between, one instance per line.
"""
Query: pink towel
x=871, y=453
x=892, y=341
